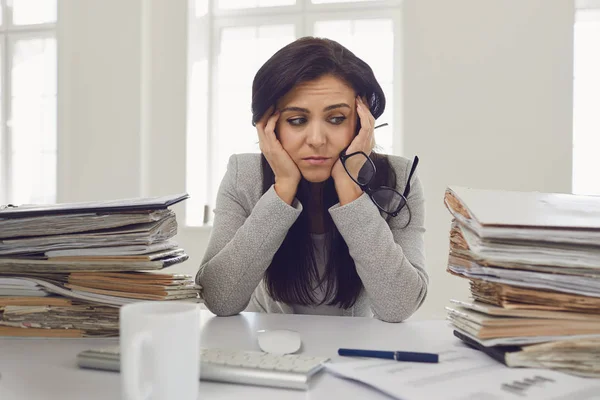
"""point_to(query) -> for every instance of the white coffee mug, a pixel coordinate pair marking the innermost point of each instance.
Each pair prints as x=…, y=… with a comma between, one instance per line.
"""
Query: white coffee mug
x=160, y=350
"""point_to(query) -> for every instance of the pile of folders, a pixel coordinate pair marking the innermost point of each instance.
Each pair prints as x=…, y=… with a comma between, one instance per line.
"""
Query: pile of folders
x=65, y=269
x=533, y=262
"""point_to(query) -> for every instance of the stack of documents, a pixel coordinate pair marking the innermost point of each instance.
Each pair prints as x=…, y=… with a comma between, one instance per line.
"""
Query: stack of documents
x=533, y=261
x=75, y=320
x=65, y=269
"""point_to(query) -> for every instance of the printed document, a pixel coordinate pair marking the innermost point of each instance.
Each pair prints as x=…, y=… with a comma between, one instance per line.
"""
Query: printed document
x=462, y=374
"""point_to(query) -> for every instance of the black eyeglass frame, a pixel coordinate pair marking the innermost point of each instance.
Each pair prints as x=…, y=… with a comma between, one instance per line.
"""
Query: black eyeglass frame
x=368, y=190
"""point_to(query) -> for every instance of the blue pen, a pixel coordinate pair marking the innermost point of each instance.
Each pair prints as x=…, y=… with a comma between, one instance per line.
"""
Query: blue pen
x=391, y=355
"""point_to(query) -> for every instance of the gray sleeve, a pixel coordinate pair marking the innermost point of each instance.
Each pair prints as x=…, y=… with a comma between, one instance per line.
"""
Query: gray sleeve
x=390, y=260
x=242, y=244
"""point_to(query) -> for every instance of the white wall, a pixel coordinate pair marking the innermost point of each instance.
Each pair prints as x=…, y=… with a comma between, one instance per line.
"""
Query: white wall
x=487, y=97
x=99, y=108
x=122, y=104
x=487, y=103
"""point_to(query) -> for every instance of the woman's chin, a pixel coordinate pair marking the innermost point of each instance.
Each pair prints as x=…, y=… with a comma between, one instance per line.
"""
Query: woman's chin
x=316, y=176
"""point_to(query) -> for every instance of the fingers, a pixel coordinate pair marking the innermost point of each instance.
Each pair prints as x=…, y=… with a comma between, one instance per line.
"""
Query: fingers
x=263, y=122
x=271, y=123
x=284, y=168
x=366, y=118
x=367, y=123
x=265, y=117
x=268, y=142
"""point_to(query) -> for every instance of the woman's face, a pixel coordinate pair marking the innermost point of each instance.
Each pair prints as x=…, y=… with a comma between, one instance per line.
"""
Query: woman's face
x=317, y=121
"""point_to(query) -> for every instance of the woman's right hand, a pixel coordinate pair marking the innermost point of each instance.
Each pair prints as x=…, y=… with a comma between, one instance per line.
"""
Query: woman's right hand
x=287, y=174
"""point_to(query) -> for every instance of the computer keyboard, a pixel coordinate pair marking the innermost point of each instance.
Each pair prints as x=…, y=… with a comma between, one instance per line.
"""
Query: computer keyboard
x=290, y=371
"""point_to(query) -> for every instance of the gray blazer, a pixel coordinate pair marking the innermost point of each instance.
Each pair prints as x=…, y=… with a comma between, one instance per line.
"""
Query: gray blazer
x=250, y=226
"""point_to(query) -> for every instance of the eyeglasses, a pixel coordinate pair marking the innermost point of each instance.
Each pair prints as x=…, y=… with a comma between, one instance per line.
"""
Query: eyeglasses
x=387, y=199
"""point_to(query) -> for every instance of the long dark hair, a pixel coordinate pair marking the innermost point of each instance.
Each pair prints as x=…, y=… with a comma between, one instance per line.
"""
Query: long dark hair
x=293, y=270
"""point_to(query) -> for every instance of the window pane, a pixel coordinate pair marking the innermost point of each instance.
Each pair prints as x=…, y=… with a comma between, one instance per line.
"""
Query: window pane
x=234, y=132
x=586, y=119
x=200, y=8
x=241, y=4
x=33, y=122
x=28, y=12
x=373, y=41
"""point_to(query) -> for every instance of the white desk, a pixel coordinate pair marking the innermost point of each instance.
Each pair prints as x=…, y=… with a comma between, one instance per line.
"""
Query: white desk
x=46, y=368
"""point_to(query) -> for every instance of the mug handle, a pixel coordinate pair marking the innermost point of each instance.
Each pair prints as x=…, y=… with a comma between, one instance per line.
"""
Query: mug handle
x=134, y=388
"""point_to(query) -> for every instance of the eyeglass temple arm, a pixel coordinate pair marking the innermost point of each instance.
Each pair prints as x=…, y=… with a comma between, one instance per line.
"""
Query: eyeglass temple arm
x=412, y=171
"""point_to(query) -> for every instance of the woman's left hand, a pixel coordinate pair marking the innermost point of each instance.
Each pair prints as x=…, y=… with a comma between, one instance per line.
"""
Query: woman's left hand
x=346, y=188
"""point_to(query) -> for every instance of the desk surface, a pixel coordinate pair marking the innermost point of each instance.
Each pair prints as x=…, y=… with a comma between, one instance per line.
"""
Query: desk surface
x=46, y=368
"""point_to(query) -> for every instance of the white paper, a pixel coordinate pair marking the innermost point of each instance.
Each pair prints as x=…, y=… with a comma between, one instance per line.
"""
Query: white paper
x=109, y=300
x=518, y=340
x=490, y=309
x=92, y=297
x=115, y=251
x=582, y=237
x=20, y=287
x=537, y=253
x=526, y=279
x=464, y=374
x=17, y=282
x=140, y=234
x=93, y=206
x=49, y=225
x=22, y=293
x=530, y=209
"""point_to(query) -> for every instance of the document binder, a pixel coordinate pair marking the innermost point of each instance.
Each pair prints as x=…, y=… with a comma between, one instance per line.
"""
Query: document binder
x=113, y=206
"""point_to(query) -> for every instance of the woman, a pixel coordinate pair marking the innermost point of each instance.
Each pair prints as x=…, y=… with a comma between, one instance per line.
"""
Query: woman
x=294, y=232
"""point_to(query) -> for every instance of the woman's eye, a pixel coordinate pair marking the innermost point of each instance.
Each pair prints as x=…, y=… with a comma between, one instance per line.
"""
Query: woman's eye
x=296, y=121
x=337, y=120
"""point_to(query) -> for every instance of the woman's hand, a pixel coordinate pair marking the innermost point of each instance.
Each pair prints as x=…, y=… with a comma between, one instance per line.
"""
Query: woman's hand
x=345, y=187
x=287, y=174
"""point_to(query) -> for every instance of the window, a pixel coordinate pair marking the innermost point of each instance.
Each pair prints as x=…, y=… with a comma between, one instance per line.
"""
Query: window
x=586, y=100
x=231, y=39
x=28, y=101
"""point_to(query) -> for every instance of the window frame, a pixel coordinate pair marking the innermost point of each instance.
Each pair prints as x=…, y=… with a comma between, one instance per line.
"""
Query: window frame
x=302, y=15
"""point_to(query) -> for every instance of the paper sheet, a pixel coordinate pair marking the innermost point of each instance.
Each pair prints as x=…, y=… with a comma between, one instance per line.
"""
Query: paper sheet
x=140, y=234
x=536, y=253
x=569, y=284
x=464, y=374
x=20, y=287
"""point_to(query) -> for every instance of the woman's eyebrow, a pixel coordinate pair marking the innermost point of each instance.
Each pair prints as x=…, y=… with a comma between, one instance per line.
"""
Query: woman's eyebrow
x=297, y=109
x=306, y=111
x=334, y=106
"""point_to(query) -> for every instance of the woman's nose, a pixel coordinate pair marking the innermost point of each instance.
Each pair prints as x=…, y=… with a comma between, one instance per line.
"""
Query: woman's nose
x=316, y=136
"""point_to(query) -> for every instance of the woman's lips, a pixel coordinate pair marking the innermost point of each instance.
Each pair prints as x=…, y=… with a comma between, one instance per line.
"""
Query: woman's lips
x=316, y=160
